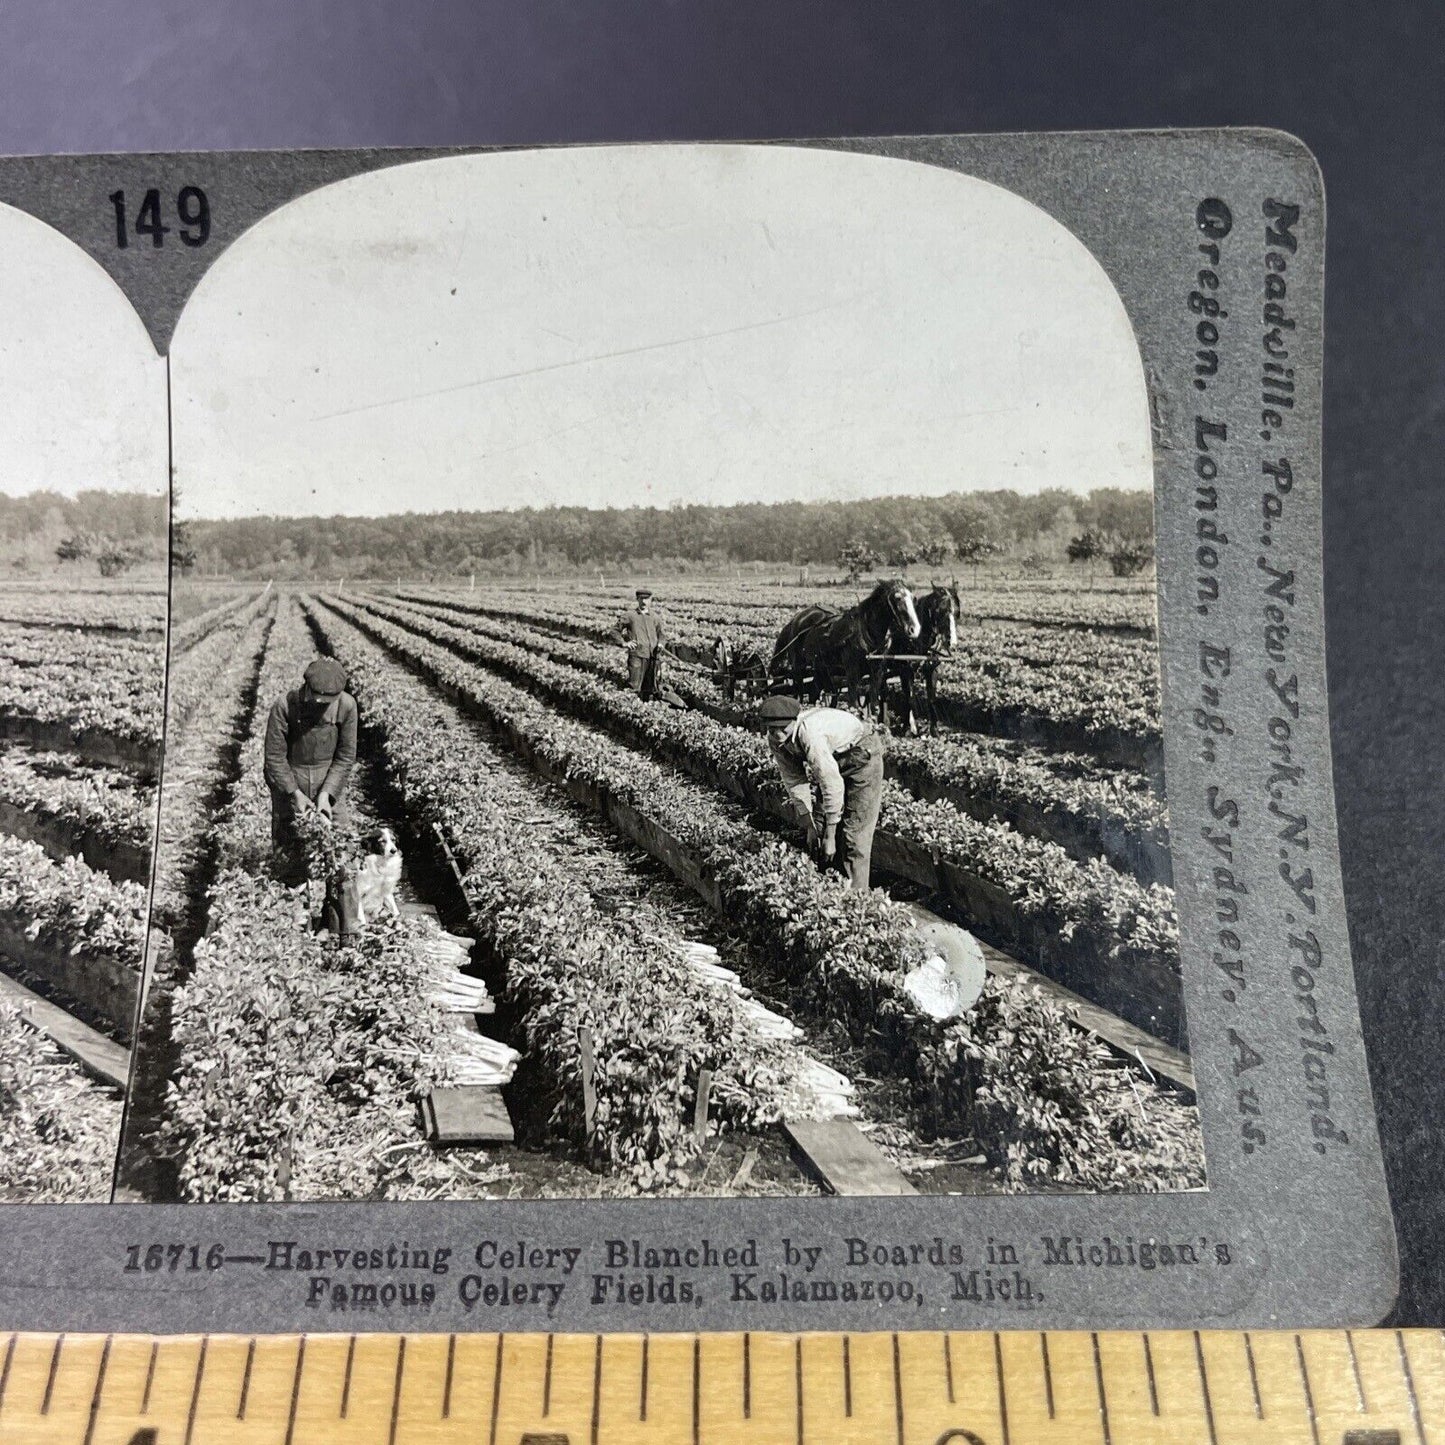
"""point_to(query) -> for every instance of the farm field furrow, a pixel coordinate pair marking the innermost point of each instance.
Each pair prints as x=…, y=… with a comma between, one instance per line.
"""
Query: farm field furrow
x=323, y=1051
x=73, y=929
x=571, y=960
x=99, y=695
x=70, y=809
x=234, y=610
x=1122, y=780
x=137, y=614
x=852, y=949
x=1022, y=894
x=1102, y=681
x=1036, y=646
x=1052, y=695
x=81, y=679
x=211, y=698
x=24, y=646
x=198, y=770
x=1098, y=602
x=1094, y=813
x=58, y=1129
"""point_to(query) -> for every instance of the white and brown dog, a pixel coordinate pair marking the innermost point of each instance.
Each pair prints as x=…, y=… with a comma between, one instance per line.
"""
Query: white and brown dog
x=377, y=875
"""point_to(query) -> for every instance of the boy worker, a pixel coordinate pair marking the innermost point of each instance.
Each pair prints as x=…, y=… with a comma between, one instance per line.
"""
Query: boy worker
x=844, y=758
x=310, y=749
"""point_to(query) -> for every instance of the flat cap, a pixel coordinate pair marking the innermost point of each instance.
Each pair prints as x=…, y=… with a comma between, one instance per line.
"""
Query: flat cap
x=779, y=708
x=326, y=676
x=643, y=592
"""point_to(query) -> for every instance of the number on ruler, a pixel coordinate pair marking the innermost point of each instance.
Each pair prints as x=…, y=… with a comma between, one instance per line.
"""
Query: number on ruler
x=193, y=211
x=146, y=1435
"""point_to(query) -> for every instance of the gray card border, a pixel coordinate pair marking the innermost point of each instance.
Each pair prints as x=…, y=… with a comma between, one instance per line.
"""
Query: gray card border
x=1293, y=1229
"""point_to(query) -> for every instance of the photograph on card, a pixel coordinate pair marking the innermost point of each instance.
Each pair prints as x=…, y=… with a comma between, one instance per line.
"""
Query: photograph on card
x=83, y=578
x=665, y=697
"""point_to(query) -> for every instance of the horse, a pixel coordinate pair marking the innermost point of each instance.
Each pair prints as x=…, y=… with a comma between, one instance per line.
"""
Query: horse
x=829, y=646
x=938, y=614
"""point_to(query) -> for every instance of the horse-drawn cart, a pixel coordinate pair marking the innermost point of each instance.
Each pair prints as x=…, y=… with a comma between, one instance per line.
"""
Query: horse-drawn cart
x=850, y=656
x=842, y=657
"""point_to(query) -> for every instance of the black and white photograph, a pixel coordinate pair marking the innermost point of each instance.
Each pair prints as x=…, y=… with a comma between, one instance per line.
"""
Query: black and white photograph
x=664, y=698
x=83, y=515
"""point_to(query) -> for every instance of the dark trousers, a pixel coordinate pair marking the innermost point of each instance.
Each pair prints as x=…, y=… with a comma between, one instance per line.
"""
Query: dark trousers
x=862, y=770
x=644, y=677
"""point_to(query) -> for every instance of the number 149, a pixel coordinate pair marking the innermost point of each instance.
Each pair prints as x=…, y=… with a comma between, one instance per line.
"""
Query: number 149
x=193, y=211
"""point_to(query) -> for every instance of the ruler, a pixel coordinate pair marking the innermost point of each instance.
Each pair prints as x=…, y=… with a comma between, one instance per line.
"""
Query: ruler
x=1370, y=1387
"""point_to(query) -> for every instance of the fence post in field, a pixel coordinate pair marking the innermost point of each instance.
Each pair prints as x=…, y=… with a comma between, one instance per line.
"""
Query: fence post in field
x=589, y=1086
x=699, y=1110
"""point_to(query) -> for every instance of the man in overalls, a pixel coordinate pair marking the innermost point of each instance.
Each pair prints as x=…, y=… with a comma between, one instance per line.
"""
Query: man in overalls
x=838, y=756
x=310, y=749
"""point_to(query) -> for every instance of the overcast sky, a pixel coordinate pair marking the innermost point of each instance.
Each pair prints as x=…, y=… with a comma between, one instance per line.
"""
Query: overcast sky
x=82, y=391
x=615, y=326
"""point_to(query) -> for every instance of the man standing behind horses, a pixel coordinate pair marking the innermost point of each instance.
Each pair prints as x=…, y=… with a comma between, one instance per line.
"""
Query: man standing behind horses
x=840, y=756
x=640, y=632
x=309, y=752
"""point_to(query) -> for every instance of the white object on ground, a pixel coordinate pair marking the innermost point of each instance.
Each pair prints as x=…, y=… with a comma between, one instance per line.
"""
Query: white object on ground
x=949, y=981
x=480, y=1060
x=818, y=1092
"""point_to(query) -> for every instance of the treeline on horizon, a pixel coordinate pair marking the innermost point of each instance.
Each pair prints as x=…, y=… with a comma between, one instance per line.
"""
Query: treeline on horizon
x=34, y=525
x=900, y=529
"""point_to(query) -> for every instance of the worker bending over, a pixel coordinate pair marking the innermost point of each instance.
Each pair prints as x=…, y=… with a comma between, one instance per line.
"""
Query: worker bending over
x=840, y=756
x=310, y=749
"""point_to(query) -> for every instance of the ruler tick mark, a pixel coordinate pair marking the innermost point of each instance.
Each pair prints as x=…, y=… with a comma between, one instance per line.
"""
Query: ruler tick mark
x=747, y=1375
x=898, y=1388
x=50, y=1378
x=396, y=1390
x=447, y=1387
x=5, y=1372
x=596, y=1388
x=798, y=1383
x=196, y=1392
x=642, y=1403
x=1149, y=1371
x=1304, y=1375
x=1048, y=1373
x=1355, y=1370
x=948, y=1365
x=547, y=1382
x=847, y=1379
x=696, y=1388
x=145, y=1399
x=1204, y=1388
x=1410, y=1386
x=295, y=1391
x=1099, y=1384
x=246, y=1378
x=1002, y=1389
x=346, y=1378
x=1253, y=1376
x=99, y=1386
x=496, y=1393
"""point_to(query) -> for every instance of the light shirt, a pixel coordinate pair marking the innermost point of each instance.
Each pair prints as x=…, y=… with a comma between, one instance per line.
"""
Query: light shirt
x=810, y=746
